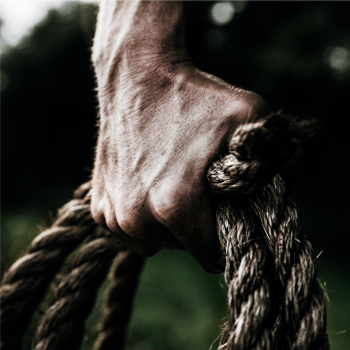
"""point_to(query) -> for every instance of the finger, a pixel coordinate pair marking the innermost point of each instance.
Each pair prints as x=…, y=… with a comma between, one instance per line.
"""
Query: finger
x=139, y=246
x=107, y=219
x=190, y=218
x=142, y=226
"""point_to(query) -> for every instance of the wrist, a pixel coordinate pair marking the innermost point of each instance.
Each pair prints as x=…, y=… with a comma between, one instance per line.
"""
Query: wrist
x=148, y=32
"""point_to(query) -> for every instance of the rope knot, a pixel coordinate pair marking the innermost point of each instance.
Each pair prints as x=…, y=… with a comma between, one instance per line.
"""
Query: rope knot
x=257, y=151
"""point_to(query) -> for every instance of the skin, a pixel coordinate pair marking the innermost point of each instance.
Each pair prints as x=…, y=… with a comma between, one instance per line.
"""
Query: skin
x=162, y=123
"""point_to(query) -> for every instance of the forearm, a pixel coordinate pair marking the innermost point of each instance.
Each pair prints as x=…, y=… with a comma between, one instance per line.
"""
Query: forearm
x=139, y=30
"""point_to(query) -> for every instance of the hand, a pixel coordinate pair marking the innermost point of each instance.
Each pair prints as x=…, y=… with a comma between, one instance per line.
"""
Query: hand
x=162, y=123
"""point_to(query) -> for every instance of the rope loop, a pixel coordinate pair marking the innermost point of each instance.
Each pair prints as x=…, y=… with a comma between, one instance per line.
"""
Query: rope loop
x=257, y=151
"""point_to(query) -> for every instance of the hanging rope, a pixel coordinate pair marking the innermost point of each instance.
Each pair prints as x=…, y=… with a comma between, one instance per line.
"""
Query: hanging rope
x=247, y=215
x=248, y=279
x=62, y=326
x=274, y=298
x=303, y=317
x=25, y=283
x=118, y=306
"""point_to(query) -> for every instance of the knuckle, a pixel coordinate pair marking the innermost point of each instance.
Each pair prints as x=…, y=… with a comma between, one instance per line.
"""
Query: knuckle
x=111, y=221
x=125, y=221
x=254, y=107
x=129, y=221
x=103, y=212
x=99, y=218
x=169, y=203
x=163, y=208
x=247, y=107
x=97, y=212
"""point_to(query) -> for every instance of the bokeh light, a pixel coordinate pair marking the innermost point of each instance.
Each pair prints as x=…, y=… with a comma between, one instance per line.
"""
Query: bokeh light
x=339, y=59
x=222, y=13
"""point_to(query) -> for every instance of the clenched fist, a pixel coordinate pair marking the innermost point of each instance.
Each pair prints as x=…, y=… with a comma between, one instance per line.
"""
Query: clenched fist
x=162, y=123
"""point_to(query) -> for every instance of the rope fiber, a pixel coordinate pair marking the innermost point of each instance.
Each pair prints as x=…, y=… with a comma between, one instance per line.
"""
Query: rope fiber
x=25, y=283
x=275, y=301
x=255, y=215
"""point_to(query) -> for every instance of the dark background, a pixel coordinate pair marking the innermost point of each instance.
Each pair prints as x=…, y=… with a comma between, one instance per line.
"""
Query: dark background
x=295, y=54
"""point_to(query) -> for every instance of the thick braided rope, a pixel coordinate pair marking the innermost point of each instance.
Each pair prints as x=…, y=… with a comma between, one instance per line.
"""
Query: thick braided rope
x=257, y=152
x=303, y=318
x=119, y=299
x=248, y=278
x=27, y=280
x=62, y=325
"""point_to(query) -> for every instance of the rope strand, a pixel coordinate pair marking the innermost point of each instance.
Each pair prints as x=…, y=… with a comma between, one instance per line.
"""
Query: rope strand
x=257, y=151
x=62, y=326
x=303, y=321
x=25, y=283
x=248, y=279
x=118, y=307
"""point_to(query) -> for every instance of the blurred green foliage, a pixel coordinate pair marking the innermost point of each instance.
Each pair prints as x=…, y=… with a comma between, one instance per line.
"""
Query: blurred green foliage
x=295, y=54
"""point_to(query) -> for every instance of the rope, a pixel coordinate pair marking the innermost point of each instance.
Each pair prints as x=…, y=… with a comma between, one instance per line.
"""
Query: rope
x=274, y=298
x=250, y=213
x=62, y=326
x=248, y=279
x=303, y=321
x=27, y=280
x=118, y=305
